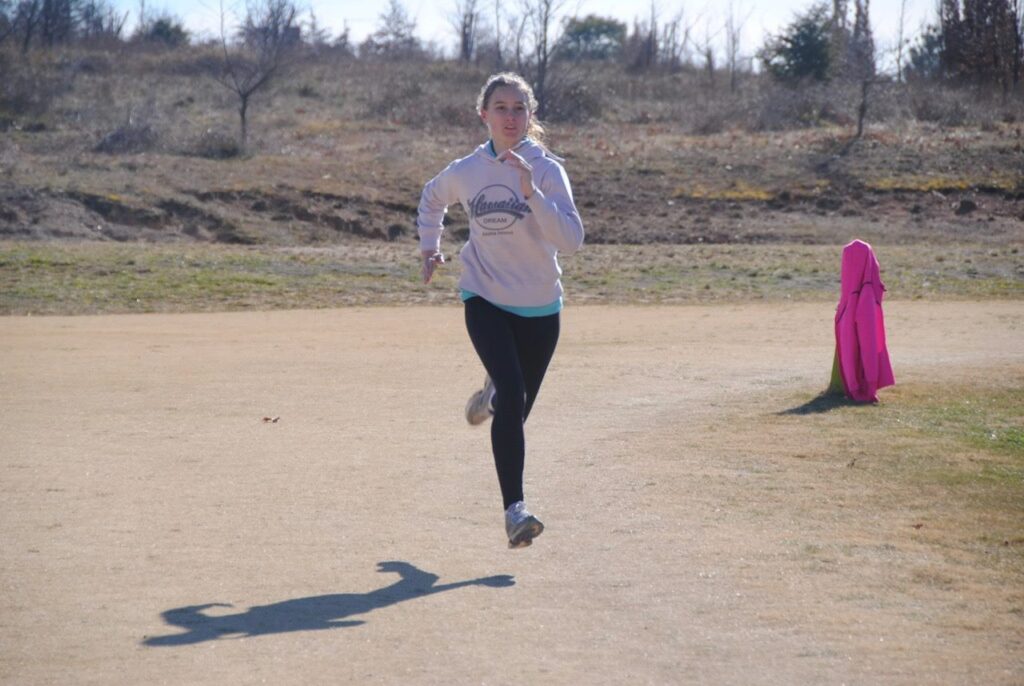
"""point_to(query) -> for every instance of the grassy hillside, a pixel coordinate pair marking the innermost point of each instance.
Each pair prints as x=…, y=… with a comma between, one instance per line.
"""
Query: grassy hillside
x=131, y=151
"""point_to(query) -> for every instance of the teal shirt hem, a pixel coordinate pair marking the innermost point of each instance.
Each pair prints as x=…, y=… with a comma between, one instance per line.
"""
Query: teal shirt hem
x=541, y=311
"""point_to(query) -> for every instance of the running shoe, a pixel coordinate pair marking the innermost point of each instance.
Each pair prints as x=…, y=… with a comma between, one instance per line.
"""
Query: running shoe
x=480, y=407
x=521, y=526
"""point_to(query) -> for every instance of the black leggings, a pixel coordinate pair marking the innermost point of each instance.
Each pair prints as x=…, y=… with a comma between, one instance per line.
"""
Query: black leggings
x=515, y=352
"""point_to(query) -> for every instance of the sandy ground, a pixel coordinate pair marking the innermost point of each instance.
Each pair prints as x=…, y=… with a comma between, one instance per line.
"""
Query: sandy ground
x=155, y=529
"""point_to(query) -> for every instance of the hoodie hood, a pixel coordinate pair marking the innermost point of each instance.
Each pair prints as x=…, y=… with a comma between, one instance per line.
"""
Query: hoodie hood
x=859, y=269
x=527, y=148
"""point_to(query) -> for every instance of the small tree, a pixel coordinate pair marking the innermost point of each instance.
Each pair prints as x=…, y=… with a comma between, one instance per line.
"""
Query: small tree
x=499, y=58
x=839, y=37
x=6, y=19
x=642, y=45
x=56, y=22
x=342, y=44
x=315, y=36
x=981, y=41
x=674, y=44
x=862, y=59
x=901, y=40
x=465, y=19
x=924, y=59
x=27, y=18
x=166, y=31
x=733, y=39
x=267, y=35
x=803, y=50
x=99, y=21
x=395, y=37
x=592, y=38
x=706, y=50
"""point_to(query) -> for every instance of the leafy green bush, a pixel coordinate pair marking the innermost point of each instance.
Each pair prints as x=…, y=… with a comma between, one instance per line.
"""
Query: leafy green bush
x=803, y=51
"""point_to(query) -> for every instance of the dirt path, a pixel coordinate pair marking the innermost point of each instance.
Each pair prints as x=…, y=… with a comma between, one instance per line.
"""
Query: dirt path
x=137, y=478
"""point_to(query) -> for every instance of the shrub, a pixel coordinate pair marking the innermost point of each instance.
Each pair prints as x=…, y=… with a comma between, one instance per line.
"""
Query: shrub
x=572, y=100
x=92, y=62
x=396, y=99
x=129, y=138
x=199, y=62
x=216, y=145
x=167, y=31
x=785, y=108
x=709, y=125
x=941, y=107
x=30, y=83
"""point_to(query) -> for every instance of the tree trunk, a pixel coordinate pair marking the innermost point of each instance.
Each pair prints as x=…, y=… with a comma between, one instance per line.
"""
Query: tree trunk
x=862, y=110
x=243, y=122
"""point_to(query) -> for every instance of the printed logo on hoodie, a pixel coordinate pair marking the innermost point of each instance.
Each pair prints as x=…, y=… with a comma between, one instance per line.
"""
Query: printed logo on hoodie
x=497, y=207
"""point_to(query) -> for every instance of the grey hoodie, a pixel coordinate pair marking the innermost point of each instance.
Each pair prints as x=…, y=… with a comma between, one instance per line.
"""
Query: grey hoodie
x=511, y=256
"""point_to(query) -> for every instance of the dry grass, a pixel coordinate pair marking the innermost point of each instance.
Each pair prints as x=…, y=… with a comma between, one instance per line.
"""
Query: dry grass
x=646, y=170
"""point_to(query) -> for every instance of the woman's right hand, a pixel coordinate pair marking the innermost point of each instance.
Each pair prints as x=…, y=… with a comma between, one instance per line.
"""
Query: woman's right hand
x=431, y=259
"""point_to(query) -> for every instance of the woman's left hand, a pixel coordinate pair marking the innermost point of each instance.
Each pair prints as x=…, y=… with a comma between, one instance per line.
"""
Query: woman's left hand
x=514, y=160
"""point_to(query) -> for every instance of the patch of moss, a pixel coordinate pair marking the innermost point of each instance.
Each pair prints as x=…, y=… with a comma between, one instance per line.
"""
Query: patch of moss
x=928, y=183
x=739, y=191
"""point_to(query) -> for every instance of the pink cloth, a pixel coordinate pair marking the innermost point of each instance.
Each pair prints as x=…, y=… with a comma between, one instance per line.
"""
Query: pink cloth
x=860, y=328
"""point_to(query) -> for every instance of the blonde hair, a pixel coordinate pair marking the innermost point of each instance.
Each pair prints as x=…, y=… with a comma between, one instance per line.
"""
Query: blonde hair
x=535, y=129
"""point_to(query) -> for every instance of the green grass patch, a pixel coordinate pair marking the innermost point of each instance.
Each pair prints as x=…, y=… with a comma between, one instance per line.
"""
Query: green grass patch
x=960, y=435
x=983, y=428
x=954, y=454
x=101, y=277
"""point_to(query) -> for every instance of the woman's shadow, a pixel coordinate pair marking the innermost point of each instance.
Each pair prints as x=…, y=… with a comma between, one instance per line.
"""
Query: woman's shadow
x=309, y=614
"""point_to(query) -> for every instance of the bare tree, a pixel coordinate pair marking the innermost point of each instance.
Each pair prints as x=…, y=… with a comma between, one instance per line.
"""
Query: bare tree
x=675, y=40
x=465, y=19
x=540, y=18
x=901, y=39
x=26, y=21
x=316, y=36
x=6, y=20
x=733, y=39
x=706, y=49
x=981, y=42
x=839, y=39
x=642, y=45
x=499, y=59
x=1017, y=9
x=268, y=33
x=862, y=59
x=98, y=21
x=518, y=27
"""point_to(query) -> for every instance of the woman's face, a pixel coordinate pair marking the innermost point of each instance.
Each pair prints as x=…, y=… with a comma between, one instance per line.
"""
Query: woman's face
x=507, y=116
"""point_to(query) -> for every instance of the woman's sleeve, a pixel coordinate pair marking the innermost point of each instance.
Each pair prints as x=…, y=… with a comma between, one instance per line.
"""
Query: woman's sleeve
x=556, y=212
x=437, y=195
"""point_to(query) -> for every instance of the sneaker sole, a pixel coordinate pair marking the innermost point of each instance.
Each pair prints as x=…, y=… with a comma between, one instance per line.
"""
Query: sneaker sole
x=525, y=537
x=477, y=411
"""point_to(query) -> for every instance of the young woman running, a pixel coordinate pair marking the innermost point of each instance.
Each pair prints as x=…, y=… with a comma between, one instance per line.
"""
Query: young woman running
x=521, y=215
